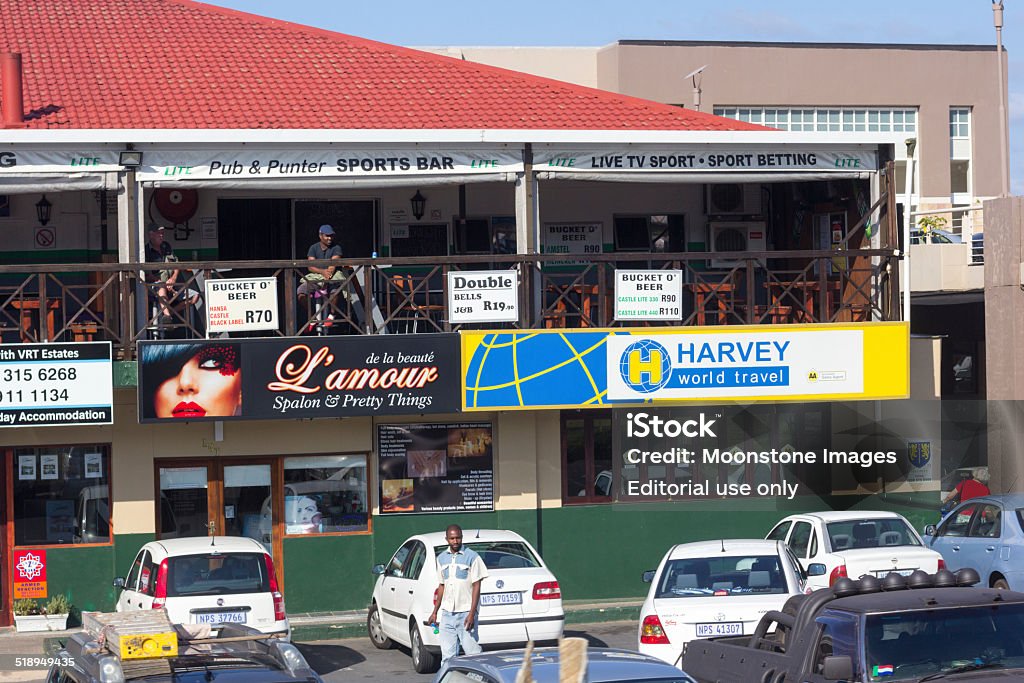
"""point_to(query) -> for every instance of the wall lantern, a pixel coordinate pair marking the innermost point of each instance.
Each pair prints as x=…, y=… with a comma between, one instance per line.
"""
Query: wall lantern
x=130, y=158
x=43, y=208
x=419, y=205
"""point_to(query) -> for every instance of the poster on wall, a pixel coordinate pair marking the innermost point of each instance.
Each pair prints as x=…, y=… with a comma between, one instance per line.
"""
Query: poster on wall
x=26, y=468
x=435, y=467
x=48, y=468
x=93, y=465
x=483, y=296
x=241, y=305
x=29, y=573
x=299, y=378
x=648, y=294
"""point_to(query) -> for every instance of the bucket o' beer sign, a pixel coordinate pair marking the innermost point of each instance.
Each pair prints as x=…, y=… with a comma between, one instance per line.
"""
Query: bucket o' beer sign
x=483, y=296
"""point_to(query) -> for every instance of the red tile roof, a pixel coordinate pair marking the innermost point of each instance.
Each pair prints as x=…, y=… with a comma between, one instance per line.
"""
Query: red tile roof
x=147, y=64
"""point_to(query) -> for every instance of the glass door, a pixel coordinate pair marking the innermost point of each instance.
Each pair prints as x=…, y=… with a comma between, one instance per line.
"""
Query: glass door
x=248, y=503
x=233, y=497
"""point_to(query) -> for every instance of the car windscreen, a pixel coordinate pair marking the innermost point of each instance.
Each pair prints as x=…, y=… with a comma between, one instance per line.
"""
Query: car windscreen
x=732, y=575
x=500, y=554
x=912, y=645
x=216, y=574
x=870, y=533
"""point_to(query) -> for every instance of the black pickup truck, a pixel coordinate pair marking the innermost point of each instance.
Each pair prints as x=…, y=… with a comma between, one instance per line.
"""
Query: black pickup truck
x=918, y=628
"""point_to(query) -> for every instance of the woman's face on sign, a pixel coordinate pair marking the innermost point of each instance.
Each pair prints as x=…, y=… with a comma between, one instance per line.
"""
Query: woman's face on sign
x=209, y=384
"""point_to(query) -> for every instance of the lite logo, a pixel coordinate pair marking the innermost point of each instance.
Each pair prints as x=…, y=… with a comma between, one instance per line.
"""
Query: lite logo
x=645, y=366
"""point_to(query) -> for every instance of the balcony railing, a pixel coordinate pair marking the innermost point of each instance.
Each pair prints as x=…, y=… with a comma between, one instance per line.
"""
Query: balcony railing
x=123, y=303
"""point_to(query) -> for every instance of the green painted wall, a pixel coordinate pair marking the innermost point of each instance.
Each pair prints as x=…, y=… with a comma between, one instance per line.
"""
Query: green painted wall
x=596, y=551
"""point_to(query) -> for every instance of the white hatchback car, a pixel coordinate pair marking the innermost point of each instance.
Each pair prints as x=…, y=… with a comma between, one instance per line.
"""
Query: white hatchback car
x=520, y=599
x=206, y=580
x=714, y=588
x=831, y=545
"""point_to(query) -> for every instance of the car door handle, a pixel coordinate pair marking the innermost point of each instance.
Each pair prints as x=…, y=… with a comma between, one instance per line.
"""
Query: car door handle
x=410, y=592
x=956, y=548
x=392, y=589
x=990, y=549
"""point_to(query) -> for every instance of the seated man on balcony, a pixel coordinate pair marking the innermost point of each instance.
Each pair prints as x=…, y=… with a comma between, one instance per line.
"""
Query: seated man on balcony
x=158, y=250
x=321, y=281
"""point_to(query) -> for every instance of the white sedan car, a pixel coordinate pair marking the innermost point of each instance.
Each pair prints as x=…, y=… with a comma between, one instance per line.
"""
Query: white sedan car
x=206, y=580
x=831, y=545
x=520, y=599
x=714, y=588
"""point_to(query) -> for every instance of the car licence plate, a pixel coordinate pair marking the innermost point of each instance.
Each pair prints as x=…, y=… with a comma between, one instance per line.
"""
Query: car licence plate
x=882, y=573
x=214, y=618
x=726, y=628
x=501, y=599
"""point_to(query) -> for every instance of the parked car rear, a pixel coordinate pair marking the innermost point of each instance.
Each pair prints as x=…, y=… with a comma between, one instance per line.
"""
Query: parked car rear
x=206, y=580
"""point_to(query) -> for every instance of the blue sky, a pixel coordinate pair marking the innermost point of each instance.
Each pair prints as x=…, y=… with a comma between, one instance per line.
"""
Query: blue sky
x=599, y=22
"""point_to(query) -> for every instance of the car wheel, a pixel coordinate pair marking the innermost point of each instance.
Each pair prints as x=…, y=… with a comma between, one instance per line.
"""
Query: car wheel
x=424, y=661
x=376, y=630
x=1001, y=585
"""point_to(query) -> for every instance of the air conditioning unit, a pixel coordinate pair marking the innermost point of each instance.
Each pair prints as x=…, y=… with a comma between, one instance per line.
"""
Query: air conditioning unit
x=729, y=237
x=734, y=199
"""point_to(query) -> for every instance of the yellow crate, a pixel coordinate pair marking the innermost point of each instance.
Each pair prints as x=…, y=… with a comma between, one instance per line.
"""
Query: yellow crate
x=148, y=645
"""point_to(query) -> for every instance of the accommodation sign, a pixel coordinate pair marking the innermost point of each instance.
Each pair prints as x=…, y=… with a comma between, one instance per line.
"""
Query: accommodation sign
x=648, y=294
x=325, y=163
x=707, y=158
x=294, y=378
x=45, y=385
x=483, y=296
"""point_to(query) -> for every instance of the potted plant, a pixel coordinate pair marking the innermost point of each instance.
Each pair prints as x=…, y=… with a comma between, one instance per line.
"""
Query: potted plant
x=28, y=616
x=56, y=612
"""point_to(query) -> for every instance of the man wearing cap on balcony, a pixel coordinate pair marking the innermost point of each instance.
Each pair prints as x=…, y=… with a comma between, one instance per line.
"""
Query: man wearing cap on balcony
x=317, y=278
x=158, y=250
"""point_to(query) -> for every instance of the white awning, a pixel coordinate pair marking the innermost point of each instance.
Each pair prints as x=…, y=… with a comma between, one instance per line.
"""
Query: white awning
x=690, y=178
x=334, y=183
x=47, y=182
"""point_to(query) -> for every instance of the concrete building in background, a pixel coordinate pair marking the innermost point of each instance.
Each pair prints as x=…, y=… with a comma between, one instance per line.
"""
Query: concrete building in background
x=943, y=98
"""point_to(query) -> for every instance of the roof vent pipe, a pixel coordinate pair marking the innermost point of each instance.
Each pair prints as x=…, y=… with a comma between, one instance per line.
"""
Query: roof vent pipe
x=13, y=102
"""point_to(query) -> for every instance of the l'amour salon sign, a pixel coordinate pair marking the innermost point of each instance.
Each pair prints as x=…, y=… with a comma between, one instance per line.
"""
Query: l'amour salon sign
x=292, y=378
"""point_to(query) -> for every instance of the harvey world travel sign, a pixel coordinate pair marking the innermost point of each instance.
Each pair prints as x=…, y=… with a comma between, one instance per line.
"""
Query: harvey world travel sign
x=293, y=378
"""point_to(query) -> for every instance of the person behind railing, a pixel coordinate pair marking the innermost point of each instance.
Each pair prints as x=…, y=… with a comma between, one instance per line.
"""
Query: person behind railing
x=321, y=280
x=166, y=281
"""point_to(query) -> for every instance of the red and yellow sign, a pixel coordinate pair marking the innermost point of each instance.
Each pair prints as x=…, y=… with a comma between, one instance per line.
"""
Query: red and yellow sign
x=29, y=574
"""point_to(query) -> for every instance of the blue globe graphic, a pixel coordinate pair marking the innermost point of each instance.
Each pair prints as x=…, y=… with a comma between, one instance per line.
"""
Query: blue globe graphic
x=647, y=349
x=538, y=369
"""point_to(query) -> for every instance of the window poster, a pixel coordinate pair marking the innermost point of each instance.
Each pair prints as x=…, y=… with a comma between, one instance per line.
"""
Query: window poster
x=435, y=467
x=93, y=465
x=48, y=467
x=26, y=468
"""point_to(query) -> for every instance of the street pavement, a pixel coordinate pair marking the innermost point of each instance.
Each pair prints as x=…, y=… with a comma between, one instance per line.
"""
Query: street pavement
x=355, y=659
x=347, y=659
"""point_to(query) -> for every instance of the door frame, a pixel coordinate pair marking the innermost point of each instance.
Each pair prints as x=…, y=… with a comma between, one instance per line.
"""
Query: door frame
x=215, y=496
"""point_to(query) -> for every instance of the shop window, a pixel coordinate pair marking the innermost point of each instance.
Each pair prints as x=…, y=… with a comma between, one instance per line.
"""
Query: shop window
x=587, y=457
x=61, y=495
x=472, y=235
x=661, y=233
x=325, y=494
x=959, y=176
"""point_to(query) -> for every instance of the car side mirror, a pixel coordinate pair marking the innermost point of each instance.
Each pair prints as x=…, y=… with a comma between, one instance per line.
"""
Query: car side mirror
x=816, y=569
x=377, y=569
x=929, y=530
x=119, y=583
x=838, y=668
x=648, y=576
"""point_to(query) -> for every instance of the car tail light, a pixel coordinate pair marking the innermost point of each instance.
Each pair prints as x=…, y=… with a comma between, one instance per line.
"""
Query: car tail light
x=160, y=589
x=651, y=632
x=837, y=573
x=547, y=590
x=279, y=614
x=942, y=564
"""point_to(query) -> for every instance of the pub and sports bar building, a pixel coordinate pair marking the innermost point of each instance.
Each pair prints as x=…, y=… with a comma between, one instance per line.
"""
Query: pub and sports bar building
x=535, y=279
